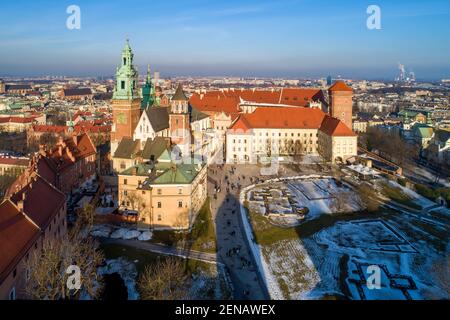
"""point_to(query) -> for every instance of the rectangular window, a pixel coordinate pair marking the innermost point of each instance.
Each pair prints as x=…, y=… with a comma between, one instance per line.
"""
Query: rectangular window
x=122, y=85
x=12, y=294
x=159, y=217
x=125, y=181
x=159, y=205
x=180, y=204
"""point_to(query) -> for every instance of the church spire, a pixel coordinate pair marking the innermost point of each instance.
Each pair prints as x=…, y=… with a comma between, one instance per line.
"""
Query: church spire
x=126, y=87
x=148, y=92
x=149, y=74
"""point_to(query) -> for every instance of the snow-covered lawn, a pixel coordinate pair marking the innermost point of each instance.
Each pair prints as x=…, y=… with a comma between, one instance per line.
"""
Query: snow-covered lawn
x=319, y=194
x=415, y=197
x=410, y=251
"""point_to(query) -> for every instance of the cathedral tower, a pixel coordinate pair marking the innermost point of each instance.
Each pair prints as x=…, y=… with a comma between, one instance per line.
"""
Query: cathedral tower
x=341, y=102
x=179, y=123
x=126, y=100
x=148, y=91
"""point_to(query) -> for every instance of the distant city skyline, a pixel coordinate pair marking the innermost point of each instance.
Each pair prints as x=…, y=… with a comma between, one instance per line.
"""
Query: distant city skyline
x=290, y=39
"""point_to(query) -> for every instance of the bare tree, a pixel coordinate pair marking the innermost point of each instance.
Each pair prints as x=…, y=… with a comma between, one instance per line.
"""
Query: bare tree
x=341, y=200
x=86, y=217
x=165, y=280
x=367, y=198
x=48, y=268
x=135, y=200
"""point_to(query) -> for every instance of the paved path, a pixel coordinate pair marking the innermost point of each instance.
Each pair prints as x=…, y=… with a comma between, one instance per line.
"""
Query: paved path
x=162, y=249
x=233, y=248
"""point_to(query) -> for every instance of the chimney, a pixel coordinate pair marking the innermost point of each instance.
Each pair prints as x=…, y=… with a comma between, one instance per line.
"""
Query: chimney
x=21, y=202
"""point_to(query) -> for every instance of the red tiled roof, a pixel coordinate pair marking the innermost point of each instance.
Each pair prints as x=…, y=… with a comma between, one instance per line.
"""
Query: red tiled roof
x=78, y=129
x=42, y=201
x=17, y=119
x=14, y=161
x=291, y=118
x=340, y=86
x=17, y=235
x=48, y=128
x=228, y=100
x=336, y=128
x=283, y=117
x=66, y=153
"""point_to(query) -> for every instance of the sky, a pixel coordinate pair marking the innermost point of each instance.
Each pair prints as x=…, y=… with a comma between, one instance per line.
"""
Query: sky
x=266, y=38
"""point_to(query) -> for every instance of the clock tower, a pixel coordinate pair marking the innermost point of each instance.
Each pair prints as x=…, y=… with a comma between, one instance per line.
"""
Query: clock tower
x=126, y=100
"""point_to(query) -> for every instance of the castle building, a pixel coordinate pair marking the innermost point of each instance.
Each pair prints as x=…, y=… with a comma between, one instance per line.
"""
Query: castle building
x=259, y=124
x=33, y=211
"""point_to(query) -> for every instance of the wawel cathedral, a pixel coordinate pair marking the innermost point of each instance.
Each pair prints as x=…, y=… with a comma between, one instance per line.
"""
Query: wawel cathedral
x=161, y=146
x=153, y=154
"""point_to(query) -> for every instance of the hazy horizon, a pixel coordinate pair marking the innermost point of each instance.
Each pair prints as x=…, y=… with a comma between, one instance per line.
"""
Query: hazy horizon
x=286, y=39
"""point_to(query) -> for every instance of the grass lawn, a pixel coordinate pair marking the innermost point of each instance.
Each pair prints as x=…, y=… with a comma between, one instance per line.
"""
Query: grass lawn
x=167, y=237
x=203, y=234
x=266, y=233
x=398, y=196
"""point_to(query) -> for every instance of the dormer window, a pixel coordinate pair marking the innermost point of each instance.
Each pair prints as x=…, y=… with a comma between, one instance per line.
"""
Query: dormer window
x=124, y=61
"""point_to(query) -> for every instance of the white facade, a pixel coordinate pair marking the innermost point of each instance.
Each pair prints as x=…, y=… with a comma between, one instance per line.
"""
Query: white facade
x=144, y=130
x=250, y=145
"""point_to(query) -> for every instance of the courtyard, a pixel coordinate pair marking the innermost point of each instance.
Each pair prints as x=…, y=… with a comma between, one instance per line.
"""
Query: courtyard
x=327, y=253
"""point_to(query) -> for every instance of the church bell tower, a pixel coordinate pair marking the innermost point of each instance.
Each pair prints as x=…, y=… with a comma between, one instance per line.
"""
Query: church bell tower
x=126, y=100
x=179, y=122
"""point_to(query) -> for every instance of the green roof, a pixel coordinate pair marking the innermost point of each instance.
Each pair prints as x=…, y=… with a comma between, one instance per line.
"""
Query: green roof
x=407, y=113
x=16, y=105
x=142, y=169
x=424, y=131
x=177, y=174
x=163, y=173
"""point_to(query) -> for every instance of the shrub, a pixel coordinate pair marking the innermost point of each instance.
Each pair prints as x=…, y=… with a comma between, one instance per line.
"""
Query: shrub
x=402, y=182
x=427, y=192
